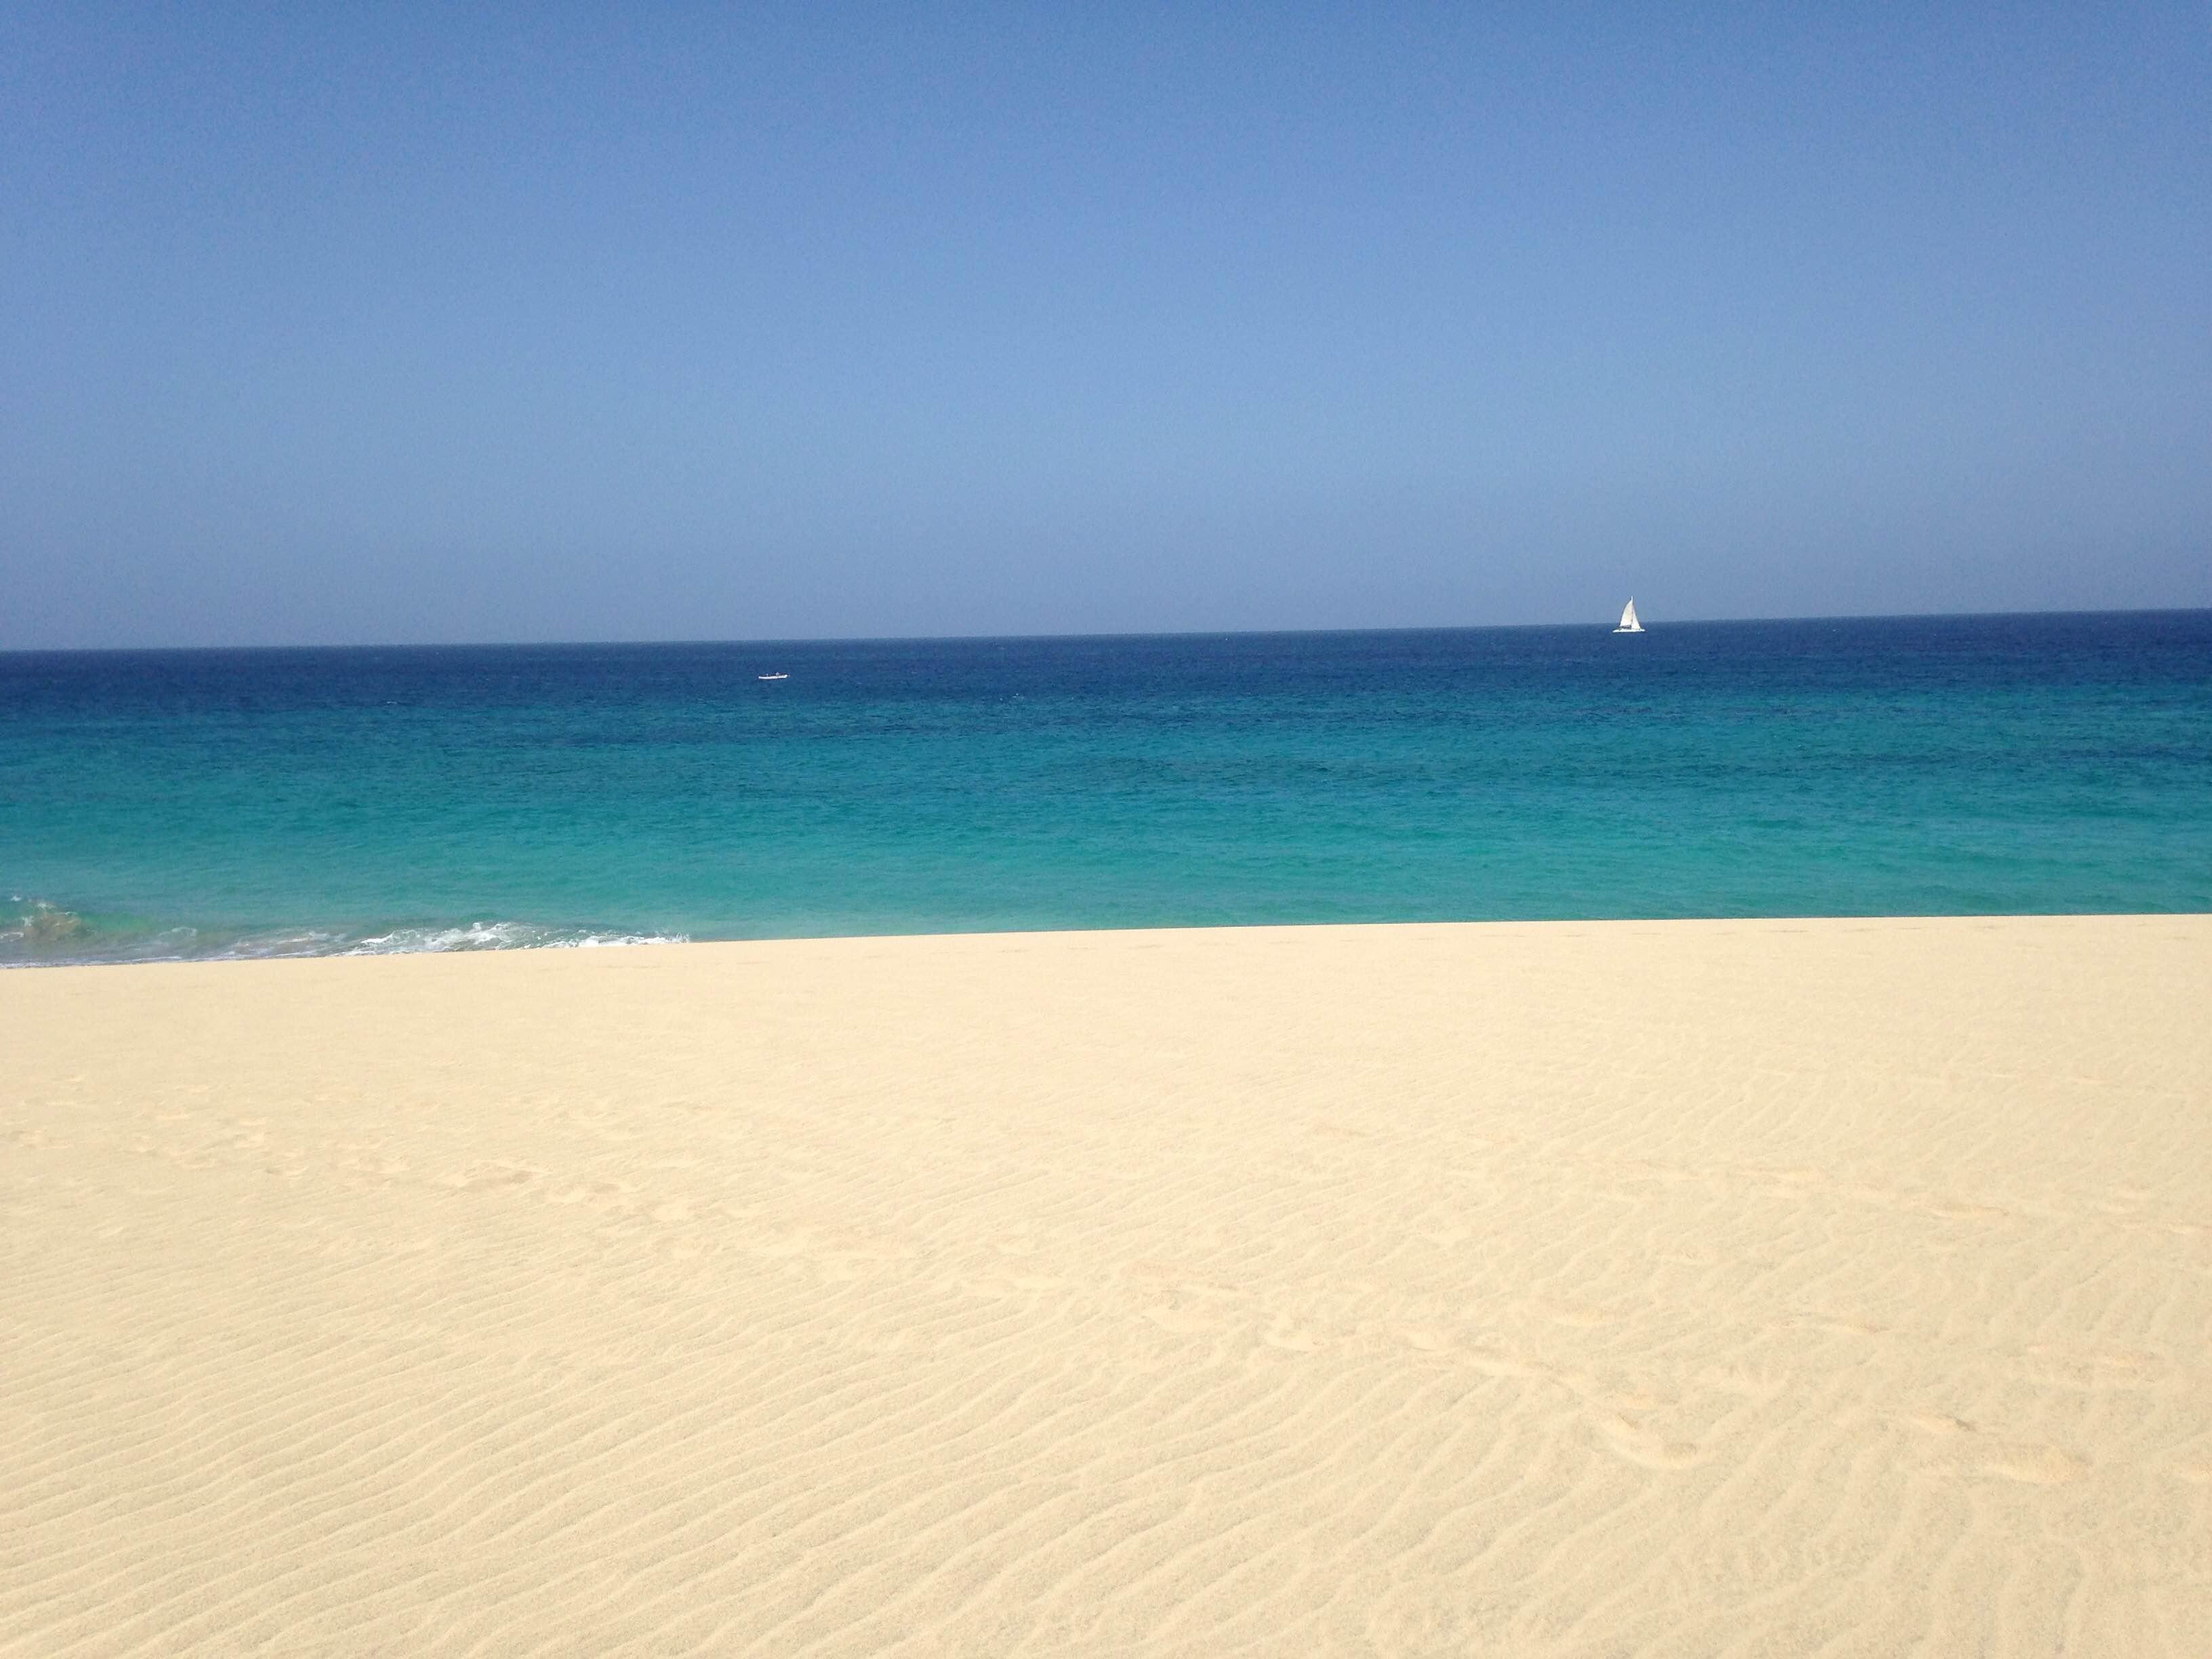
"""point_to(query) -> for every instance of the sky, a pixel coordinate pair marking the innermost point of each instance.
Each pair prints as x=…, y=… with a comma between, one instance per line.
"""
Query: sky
x=369, y=324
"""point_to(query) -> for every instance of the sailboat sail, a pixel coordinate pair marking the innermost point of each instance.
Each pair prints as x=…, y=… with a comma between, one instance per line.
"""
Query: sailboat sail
x=1628, y=623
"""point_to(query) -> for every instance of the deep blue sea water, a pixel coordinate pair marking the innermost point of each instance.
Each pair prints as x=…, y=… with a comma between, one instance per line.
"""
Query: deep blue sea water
x=224, y=803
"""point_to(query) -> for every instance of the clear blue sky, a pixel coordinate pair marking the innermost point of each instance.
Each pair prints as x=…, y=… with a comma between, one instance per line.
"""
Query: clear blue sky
x=330, y=324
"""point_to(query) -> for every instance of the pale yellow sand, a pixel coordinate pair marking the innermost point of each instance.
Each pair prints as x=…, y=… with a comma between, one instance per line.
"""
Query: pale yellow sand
x=1755, y=1288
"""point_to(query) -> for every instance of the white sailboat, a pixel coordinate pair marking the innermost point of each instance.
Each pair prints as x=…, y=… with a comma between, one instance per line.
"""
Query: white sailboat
x=1628, y=623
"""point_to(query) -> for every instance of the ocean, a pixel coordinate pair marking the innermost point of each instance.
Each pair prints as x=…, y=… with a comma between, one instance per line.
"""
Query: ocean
x=196, y=804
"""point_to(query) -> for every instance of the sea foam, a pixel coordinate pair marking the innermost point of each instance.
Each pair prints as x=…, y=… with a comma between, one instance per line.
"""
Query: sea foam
x=40, y=934
x=499, y=936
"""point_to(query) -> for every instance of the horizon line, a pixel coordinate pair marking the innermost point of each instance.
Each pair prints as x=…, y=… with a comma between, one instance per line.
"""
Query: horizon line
x=1116, y=634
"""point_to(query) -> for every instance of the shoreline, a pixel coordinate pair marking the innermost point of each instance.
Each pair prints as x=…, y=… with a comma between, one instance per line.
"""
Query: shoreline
x=597, y=939
x=1403, y=1287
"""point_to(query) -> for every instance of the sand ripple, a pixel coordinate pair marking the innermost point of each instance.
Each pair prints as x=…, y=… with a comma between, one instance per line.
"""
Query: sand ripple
x=1629, y=1289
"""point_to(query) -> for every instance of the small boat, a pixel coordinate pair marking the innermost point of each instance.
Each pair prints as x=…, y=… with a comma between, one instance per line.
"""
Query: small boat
x=775, y=677
x=1628, y=623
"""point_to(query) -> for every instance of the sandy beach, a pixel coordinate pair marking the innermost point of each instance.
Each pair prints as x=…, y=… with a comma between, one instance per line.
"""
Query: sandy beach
x=1568, y=1289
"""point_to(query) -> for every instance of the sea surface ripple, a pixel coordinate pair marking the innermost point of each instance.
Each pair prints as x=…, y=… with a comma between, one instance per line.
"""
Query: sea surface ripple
x=190, y=803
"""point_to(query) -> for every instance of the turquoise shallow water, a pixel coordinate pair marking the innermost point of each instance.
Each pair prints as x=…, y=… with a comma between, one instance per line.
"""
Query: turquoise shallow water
x=271, y=802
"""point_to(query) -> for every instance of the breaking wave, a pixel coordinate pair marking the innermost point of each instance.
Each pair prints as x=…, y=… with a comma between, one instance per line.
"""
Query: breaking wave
x=500, y=936
x=39, y=926
x=35, y=933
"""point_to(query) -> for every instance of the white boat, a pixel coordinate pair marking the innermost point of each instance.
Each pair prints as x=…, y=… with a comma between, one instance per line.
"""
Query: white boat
x=775, y=677
x=1628, y=623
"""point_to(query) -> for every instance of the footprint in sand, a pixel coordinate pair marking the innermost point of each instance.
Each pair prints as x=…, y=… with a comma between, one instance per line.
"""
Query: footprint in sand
x=1838, y=1324
x=2036, y=1466
x=1939, y=1423
x=1791, y=1178
x=1640, y=1445
x=2093, y=1372
x=1490, y=1363
x=490, y=1175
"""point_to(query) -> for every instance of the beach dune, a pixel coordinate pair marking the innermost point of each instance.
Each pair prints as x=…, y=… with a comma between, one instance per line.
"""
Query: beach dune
x=1687, y=1288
